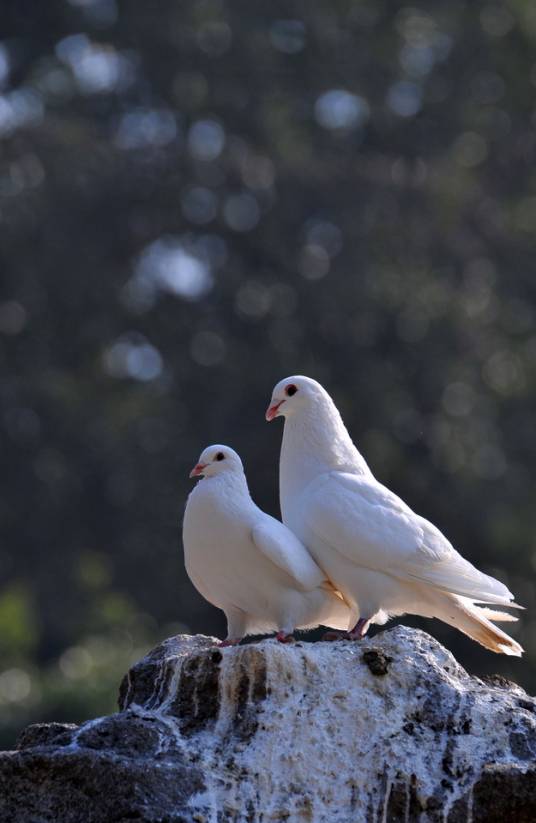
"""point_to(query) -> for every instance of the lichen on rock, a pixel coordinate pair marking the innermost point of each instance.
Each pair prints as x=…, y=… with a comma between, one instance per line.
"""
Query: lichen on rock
x=389, y=729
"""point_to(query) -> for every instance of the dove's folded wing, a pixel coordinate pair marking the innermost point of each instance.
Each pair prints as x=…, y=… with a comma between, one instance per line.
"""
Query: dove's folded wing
x=283, y=548
x=446, y=569
x=373, y=528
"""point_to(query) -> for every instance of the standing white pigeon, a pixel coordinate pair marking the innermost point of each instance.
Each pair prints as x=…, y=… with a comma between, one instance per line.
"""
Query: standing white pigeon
x=247, y=563
x=383, y=558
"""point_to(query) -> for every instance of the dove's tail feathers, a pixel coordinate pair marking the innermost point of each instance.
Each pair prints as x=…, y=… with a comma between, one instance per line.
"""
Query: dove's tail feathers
x=509, y=605
x=475, y=622
x=497, y=617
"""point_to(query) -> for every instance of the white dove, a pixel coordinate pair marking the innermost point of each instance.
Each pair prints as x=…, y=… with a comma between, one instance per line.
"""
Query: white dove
x=384, y=559
x=246, y=562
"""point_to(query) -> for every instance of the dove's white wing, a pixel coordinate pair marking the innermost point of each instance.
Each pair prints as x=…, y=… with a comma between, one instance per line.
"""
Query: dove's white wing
x=283, y=548
x=372, y=527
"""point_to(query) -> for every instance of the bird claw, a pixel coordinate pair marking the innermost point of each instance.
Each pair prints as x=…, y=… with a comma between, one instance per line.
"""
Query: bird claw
x=360, y=629
x=281, y=637
x=230, y=641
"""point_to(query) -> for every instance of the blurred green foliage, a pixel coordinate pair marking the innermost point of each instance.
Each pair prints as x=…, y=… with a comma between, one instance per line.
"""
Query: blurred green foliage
x=19, y=629
x=199, y=198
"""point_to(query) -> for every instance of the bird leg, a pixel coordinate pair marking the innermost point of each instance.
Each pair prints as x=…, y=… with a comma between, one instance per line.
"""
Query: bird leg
x=360, y=629
x=283, y=637
x=229, y=641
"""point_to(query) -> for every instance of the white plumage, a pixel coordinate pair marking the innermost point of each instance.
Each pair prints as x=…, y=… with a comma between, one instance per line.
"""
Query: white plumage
x=385, y=559
x=247, y=563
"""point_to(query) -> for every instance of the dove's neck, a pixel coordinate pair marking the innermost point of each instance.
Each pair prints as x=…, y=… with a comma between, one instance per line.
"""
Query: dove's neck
x=314, y=442
x=228, y=491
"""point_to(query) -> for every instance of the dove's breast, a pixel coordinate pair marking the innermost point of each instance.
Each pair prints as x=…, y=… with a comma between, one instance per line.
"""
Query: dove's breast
x=216, y=540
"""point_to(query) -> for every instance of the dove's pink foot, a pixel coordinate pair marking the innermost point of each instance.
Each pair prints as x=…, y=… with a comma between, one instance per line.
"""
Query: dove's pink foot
x=230, y=641
x=360, y=629
x=283, y=637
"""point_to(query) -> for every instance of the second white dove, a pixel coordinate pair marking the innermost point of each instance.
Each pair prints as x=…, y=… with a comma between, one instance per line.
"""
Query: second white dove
x=246, y=562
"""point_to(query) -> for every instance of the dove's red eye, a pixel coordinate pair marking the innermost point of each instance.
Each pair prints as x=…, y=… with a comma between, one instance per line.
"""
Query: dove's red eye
x=290, y=390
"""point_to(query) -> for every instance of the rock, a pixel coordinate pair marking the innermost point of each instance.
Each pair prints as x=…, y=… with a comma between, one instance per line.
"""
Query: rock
x=388, y=729
x=41, y=734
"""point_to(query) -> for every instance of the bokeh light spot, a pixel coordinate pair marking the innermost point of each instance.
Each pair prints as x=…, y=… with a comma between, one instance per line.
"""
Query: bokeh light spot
x=458, y=399
x=214, y=38
x=417, y=61
x=470, y=149
x=97, y=67
x=496, y=20
x=99, y=12
x=404, y=98
x=326, y=235
x=338, y=109
x=140, y=128
x=253, y=300
x=206, y=139
x=207, y=348
x=20, y=108
x=258, y=172
x=76, y=662
x=488, y=462
x=168, y=265
x=314, y=262
x=133, y=356
x=288, y=36
x=241, y=212
x=503, y=372
x=199, y=204
x=15, y=685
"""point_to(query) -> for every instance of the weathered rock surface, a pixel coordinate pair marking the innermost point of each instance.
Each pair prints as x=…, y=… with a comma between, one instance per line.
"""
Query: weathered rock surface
x=389, y=729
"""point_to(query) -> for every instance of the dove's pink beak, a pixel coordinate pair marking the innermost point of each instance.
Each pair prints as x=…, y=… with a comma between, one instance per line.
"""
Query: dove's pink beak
x=271, y=411
x=198, y=469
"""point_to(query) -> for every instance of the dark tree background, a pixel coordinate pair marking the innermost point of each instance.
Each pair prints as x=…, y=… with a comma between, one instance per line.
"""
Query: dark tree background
x=199, y=198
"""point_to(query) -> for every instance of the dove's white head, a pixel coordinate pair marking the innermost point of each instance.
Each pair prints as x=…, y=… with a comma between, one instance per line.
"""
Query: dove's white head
x=292, y=394
x=315, y=439
x=217, y=459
